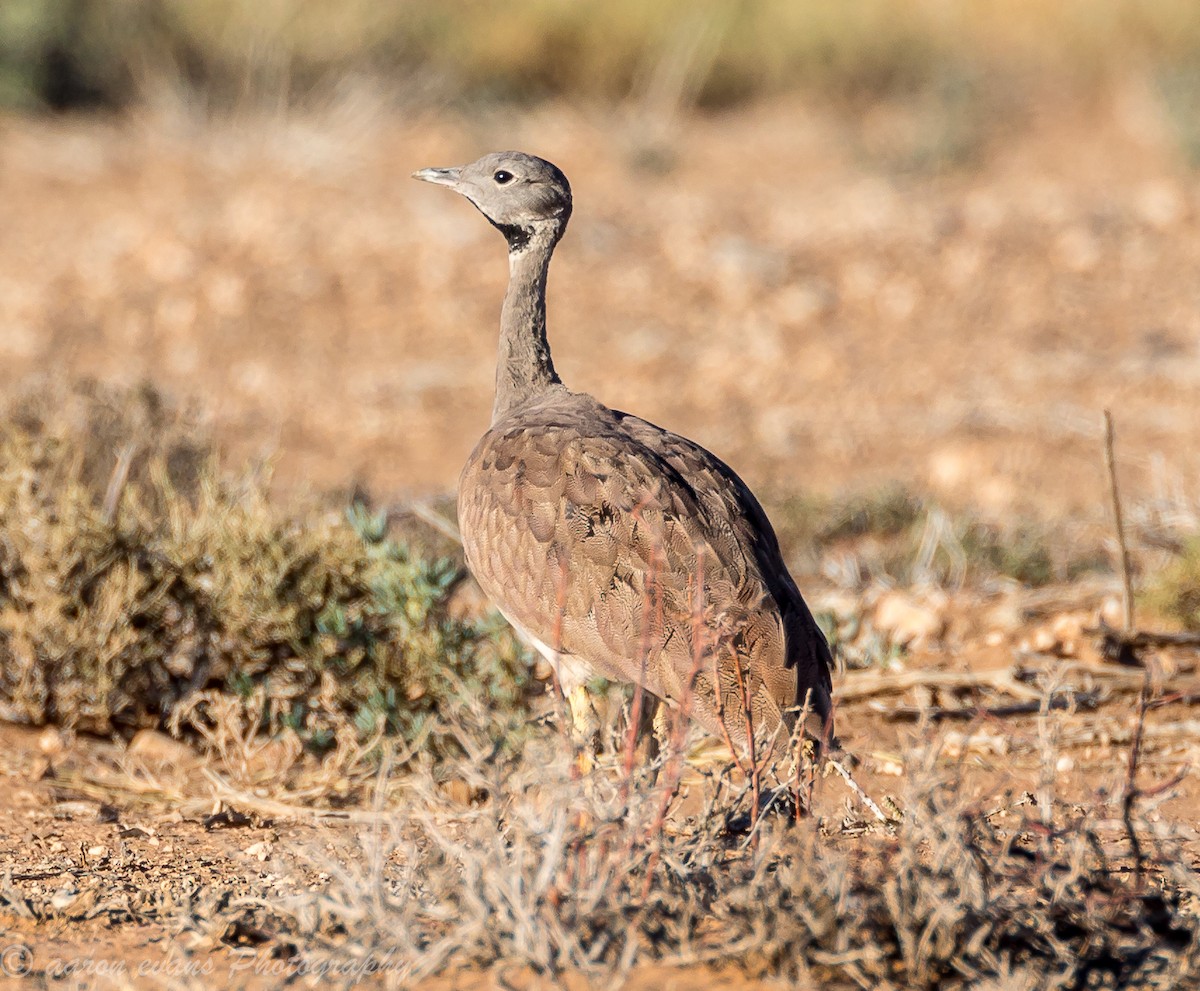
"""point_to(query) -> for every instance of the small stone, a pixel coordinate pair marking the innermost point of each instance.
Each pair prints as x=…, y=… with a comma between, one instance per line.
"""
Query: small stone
x=63, y=898
x=50, y=742
x=73, y=810
x=1004, y=615
x=133, y=833
x=957, y=744
x=907, y=621
x=1044, y=641
x=458, y=791
x=1066, y=627
x=154, y=747
x=1111, y=611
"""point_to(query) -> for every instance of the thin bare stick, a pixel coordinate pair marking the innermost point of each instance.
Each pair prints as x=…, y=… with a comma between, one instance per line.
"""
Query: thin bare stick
x=1110, y=462
x=672, y=772
x=431, y=518
x=1141, y=639
x=565, y=720
x=720, y=701
x=1130, y=794
x=853, y=785
x=116, y=483
x=652, y=602
x=1060, y=700
x=864, y=684
x=743, y=681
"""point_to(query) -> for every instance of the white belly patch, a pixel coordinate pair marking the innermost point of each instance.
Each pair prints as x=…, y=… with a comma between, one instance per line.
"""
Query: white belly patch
x=572, y=672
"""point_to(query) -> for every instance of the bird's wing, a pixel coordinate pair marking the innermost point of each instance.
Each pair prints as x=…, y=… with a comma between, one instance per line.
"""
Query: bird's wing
x=596, y=542
x=727, y=497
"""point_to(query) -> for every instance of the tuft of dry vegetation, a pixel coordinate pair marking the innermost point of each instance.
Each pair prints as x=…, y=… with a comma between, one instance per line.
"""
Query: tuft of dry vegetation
x=549, y=874
x=134, y=578
x=898, y=536
x=1174, y=592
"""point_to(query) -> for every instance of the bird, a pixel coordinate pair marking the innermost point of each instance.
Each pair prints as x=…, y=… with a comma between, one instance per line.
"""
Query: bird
x=613, y=546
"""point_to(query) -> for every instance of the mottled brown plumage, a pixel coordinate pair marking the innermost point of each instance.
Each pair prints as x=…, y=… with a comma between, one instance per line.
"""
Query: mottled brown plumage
x=614, y=545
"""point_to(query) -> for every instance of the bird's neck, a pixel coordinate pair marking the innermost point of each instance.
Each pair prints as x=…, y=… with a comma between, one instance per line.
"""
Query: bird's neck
x=524, y=368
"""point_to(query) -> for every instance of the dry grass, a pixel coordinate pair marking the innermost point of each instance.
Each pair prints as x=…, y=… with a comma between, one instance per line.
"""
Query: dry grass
x=1174, y=591
x=899, y=537
x=548, y=874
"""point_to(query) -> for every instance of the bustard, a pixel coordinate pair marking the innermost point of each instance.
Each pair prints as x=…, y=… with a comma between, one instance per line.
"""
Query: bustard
x=613, y=546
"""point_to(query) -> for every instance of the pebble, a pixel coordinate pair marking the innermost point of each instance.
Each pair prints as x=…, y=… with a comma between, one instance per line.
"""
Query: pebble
x=907, y=621
x=158, y=748
x=260, y=851
x=50, y=742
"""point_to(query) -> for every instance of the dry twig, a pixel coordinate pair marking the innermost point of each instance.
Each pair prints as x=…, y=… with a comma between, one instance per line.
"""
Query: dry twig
x=1110, y=463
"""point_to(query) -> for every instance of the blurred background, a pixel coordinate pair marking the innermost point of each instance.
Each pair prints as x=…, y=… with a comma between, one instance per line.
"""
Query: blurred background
x=919, y=243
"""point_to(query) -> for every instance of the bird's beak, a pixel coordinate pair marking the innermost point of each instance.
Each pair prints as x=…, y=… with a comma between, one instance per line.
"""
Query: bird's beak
x=443, y=177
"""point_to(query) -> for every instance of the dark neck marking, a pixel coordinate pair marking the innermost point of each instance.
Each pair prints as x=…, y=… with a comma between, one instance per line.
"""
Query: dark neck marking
x=517, y=237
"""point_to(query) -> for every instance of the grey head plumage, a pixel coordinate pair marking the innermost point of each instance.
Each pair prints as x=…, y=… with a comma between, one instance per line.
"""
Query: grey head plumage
x=523, y=196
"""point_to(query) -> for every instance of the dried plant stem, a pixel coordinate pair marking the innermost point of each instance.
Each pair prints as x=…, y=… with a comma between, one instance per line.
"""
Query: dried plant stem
x=751, y=744
x=672, y=772
x=1110, y=463
x=652, y=603
x=854, y=786
x=1141, y=639
x=116, y=483
x=857, y=685
x=1130, y=793
x=434, y=520
x=720, y=703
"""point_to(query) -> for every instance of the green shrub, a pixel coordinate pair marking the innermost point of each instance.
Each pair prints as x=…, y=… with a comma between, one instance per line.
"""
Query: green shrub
x=112, y=616
x=1174, y=592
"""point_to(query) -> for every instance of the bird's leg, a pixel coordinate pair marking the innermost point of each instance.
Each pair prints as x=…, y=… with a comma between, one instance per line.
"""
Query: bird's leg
x=585, y=724
x=661, y=727
x=588, y=722
x=651, y=729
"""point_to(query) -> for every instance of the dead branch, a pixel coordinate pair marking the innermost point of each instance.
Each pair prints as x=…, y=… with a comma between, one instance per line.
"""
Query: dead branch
x=1059, y=701
x=1124, y=647
x=1130, y=793
x=866, y=684
x=1110, y=462
x=854, y=786
x=116, y=483
x=433, y=519
x=1116, y=677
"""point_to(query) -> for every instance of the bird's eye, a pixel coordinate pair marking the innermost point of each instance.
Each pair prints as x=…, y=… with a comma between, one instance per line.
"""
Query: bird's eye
x=502, y=177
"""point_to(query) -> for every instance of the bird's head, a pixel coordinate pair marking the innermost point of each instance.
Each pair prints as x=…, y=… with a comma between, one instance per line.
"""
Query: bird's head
x=522, y=195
